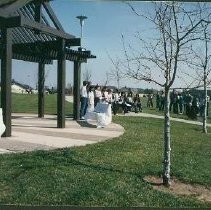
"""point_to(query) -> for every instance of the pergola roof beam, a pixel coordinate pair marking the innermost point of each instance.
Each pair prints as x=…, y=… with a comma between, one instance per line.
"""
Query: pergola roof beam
x=16, y=5
x=19, y=33
x=25, y=31
x=31, y=58
x=25, y=11
x=10, y=22
x=52, y=15
x=50, y=55
x=43, y=28
x=52, y=44
x=20, y=21
x=49, y=51
x=16, y=36
x=38, y=12
x=7, y=11
x=31, y=8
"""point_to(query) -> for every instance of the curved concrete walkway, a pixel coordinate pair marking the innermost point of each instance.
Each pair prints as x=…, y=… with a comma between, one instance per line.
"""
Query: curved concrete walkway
x=31, y=133
x=162, y=117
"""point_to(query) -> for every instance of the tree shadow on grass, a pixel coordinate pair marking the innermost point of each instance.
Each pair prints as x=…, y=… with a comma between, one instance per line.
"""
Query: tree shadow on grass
x=70, y=159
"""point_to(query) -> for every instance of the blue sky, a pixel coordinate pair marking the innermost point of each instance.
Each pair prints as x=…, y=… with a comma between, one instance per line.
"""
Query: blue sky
x=107, y=20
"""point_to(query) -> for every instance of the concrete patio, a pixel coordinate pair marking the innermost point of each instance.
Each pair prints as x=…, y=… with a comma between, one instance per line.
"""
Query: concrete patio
x=31, y=133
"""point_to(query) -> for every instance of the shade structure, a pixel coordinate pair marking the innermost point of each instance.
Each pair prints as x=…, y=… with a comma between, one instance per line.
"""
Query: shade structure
x=30, y=31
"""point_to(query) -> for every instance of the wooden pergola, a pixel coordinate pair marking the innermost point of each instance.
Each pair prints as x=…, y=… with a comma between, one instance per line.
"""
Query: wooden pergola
x=30, y=31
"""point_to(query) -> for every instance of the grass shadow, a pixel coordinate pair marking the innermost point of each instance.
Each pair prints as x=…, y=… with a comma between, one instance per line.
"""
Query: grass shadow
x=33, y=126
x=84, y=123
x=69, y=116
x=33, y=117
x=68, y=159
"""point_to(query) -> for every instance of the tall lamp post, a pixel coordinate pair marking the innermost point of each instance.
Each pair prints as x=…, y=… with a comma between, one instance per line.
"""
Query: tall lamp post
x=77, y=76
x=81, y=18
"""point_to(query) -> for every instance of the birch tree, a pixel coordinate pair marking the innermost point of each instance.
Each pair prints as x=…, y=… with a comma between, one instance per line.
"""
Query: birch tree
x=162, y=55
x=116, y=73
x=87, y=75
x=106, y=79
x=202, y=62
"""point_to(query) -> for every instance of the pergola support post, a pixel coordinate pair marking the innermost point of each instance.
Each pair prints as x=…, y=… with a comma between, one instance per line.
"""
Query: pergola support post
x=41, y=94
x=76, y=90
x=6, y=72
x=61, y=80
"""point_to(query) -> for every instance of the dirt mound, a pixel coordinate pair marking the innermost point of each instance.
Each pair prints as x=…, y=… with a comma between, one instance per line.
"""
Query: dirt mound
x=177, y=187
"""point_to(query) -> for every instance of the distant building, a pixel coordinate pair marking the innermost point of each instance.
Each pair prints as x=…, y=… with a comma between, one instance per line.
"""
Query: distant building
x=129, y=90
x=107, y=86
x=21, y=88
x=111, y=87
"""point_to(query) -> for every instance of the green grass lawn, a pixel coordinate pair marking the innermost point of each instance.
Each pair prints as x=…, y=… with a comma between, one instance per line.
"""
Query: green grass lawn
x=109, y=173
x=28, y=103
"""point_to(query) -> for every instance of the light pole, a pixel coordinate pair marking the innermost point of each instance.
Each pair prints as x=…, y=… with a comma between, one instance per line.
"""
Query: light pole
x=81, y=18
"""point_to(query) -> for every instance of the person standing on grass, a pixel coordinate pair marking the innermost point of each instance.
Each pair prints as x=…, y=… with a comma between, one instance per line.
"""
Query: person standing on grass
x=130, y=101
x=83, y=100
x=201, y=106
x=90, y=115
x=137, y=103
x=150, y=101
x=194, y=108
x=110, y=96
x=175, y=103
x=97, y=94
x=180, y=101
x=208, y=102
x=158, y=100
x=90, y=103
x=104, y=94
x=162, y=101
x=115, y=104
x=125, y=105
x=89, y=83
x=189, y=100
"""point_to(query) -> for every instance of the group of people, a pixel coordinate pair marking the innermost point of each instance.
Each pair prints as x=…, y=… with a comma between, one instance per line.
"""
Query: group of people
x=184, y=103
x=127, y=102
x=96, y=104
x=97, y=100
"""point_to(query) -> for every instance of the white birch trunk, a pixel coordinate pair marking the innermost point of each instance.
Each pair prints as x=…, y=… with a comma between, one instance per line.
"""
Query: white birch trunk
x=167, y=145
x=118, y=83
x=205, y=103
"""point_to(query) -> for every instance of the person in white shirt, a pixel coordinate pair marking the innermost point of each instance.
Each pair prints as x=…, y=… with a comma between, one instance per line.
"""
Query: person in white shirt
x=110, y=96
x=90, y=114
x=90, y=107
x=83, y=100
x=98, y=95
